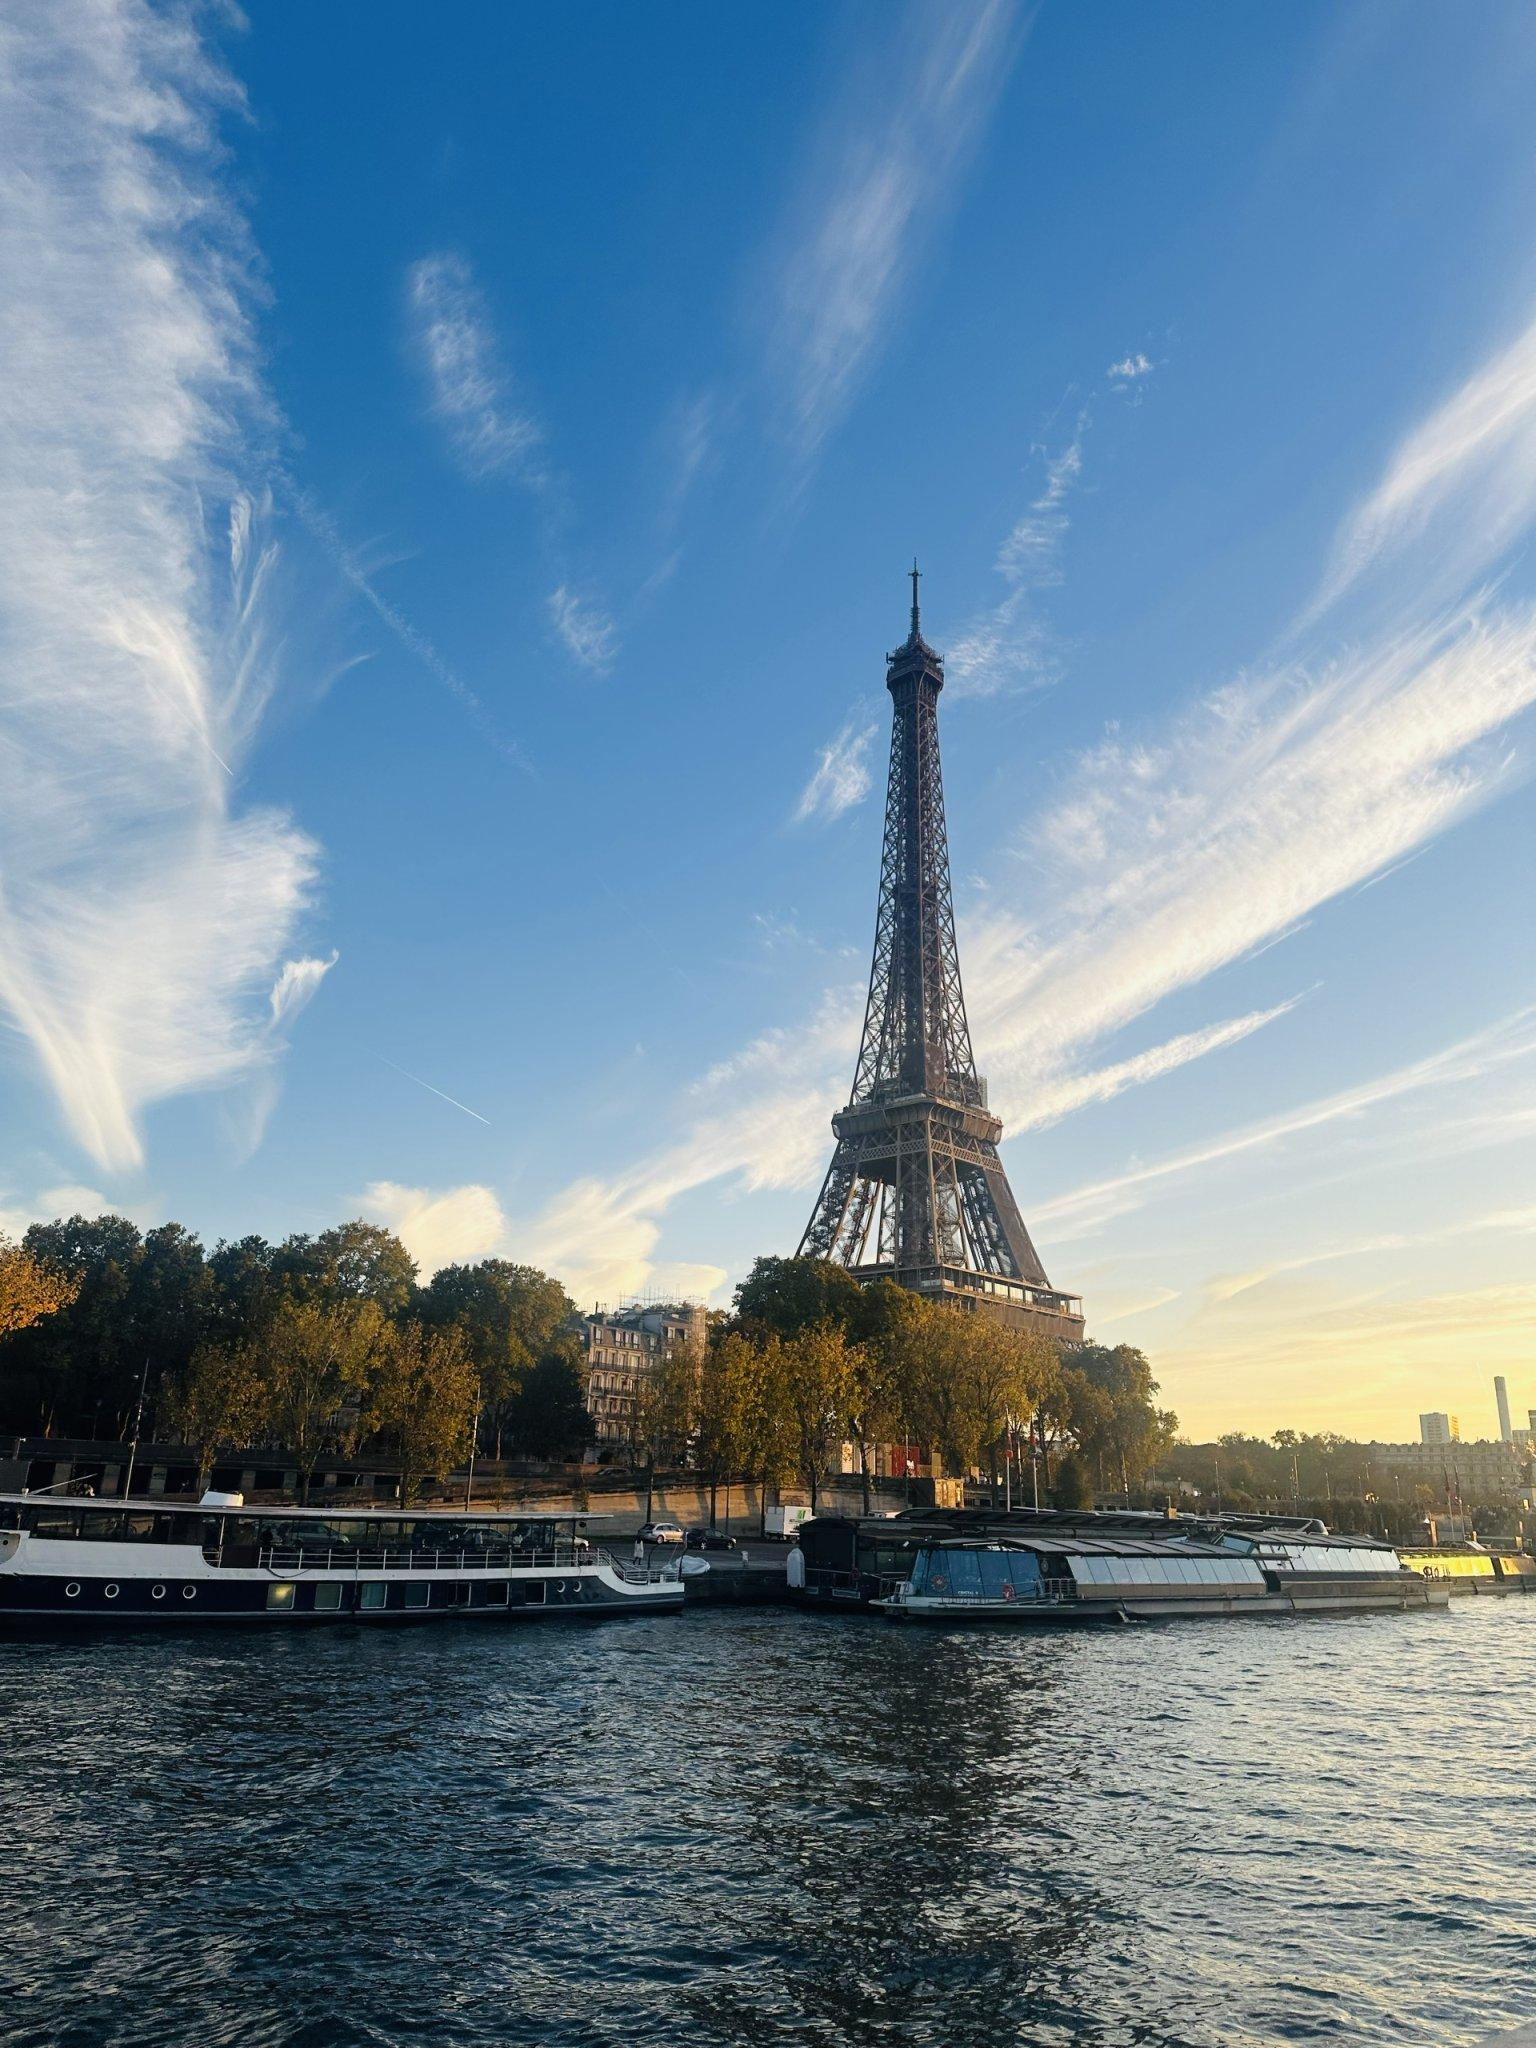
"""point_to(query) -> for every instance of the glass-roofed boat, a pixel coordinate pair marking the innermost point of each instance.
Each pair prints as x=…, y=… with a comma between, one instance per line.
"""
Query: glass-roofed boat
x=151, y=1562
x=1034, y=1565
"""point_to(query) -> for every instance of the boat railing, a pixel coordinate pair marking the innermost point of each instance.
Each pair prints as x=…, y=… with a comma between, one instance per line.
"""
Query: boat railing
x=304, y=1557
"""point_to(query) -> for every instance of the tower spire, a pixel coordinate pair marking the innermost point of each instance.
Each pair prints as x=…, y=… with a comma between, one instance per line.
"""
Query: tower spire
x=915, y=572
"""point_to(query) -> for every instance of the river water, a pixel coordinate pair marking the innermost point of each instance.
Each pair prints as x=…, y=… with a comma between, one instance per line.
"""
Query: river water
x=759, y=1827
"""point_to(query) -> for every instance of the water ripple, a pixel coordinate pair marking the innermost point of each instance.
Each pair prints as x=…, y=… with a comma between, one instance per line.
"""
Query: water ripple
x=759, y=1828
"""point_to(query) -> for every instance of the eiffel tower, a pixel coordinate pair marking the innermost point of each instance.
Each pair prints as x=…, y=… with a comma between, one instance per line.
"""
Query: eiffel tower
x=916, y=1192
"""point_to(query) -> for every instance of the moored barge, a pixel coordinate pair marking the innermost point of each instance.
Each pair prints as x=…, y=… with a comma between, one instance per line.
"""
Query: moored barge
x=1037, y=1566
x=153, y=1562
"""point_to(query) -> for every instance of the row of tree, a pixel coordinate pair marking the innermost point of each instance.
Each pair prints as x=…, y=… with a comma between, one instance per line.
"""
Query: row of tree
x=326, y=1344
x=318, y=1344
x=811, y=1360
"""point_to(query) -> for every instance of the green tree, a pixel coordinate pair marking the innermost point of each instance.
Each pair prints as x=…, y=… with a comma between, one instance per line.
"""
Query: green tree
x=666, y=1398
x=818, y=1367
x=727, y=1381
x=81, y=1367
x=354, y=1261
x=315, y=1361
x=786, y=1296
x=242, y=1288
x=768, y=1434
x=509, y=1316
x=548, y=1415
x=215, y=1402
x=421, y=1399
x=1072, y=1489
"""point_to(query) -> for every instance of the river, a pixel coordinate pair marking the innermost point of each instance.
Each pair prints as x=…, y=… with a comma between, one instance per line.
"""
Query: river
x=752, y=1826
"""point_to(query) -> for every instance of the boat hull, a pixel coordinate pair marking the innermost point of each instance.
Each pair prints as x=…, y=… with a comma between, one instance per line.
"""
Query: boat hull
x=29, y=1600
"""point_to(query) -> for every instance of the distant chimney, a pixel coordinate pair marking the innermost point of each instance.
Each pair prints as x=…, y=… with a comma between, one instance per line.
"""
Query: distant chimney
x=1501, y=1395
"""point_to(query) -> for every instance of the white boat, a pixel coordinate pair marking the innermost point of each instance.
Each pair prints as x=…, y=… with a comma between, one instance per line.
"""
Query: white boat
x=146, y=1563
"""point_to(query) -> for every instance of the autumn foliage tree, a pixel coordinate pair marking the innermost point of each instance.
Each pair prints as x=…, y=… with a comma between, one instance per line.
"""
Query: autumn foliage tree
x=30, y=1288
x=421, y=1400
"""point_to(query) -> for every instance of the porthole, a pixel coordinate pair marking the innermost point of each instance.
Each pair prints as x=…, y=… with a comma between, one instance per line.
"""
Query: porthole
x=157, y=1592
x=72, y=1590
x=110, y=1592
x=189, y=1592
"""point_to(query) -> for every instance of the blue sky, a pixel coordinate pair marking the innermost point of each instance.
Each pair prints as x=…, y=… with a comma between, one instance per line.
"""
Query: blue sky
x=458, y=473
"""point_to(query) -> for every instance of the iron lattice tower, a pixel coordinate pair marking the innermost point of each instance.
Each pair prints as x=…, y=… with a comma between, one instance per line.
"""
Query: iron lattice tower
x=916, y=1192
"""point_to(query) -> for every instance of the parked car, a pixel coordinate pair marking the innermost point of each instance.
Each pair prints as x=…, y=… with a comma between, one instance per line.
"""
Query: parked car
x=710, y=1539
x=661, y=1531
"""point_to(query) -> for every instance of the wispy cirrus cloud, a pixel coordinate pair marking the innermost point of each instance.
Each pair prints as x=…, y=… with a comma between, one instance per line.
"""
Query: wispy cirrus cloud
x=143, y=915
x=842, y=774
x=1006, y=647
x=295, y=987
x=470, y=390
x=882, y=176
x=1510, y=1043
x=584, y=628
x=1463, y=482
x=1129, y=370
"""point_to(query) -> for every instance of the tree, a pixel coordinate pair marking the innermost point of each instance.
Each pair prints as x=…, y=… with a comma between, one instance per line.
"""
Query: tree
x=509, y=1316
x=818, y=1368
x=30, y=1288
x=243, y=1288
x=1117, y=1423
x=1072, y=1489
x=786, y=1296
x=768, y=1435
x=216, y=1402
x=665, y=1399
x=354, y=1261
x=421, y=1398
x=169, y=1300
x=726, y=1384
x=548, y=1415
x=84, y=1363
x=315, y=1360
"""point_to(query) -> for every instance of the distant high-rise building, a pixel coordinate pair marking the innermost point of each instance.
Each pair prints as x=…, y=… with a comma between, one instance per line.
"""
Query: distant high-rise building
x=1438, y=1429
x=1501, y=1395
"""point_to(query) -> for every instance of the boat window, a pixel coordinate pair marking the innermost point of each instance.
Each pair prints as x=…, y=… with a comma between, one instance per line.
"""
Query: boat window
x=281, y=1595
x=495, y=1594
x=373, y=1592
x=995, y=1576
x=964, y=1571
x=535, y=1593
x=419, y=1595
x=1025, y=1570
x=328, y=1595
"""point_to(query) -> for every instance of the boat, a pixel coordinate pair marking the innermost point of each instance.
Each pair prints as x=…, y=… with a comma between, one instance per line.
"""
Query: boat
x=1026, y=1566
x=149, y=1563
x=1469, y=1568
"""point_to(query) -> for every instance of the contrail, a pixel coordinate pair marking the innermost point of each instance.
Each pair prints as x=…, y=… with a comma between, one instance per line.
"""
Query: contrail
x=324, y=528
x=479, y=1119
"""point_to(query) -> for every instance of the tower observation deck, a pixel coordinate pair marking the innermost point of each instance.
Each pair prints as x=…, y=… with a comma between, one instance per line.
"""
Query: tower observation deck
x=916, y=1191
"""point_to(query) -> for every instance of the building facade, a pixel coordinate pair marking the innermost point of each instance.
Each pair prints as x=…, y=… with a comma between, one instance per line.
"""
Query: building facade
x=1438, y=1429
x=1485, y=1470
x=622, y=1345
